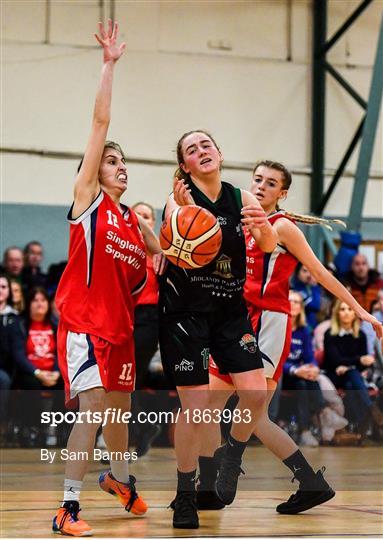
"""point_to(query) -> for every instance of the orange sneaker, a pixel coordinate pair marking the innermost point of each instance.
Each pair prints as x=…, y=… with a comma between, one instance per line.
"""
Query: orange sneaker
x=126, y=493
x=67, y=521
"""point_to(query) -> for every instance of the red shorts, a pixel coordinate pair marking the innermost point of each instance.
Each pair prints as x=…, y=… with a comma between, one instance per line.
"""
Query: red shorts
x=88, y=361
x=273, y=334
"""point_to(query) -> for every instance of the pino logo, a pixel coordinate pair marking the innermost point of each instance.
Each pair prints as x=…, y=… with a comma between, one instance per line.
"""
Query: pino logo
x=185, y=365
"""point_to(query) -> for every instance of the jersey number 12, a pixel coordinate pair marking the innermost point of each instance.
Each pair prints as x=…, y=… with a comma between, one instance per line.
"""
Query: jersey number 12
x=126, y=372
x=112, y=219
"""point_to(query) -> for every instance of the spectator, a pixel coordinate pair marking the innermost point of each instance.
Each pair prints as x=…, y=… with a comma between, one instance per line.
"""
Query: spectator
x=146, y=312
x=55, y=271
x=363, y=281
x=41, y=333
x=322, y=327
x=18, y=296
x=12, y=354
x=145, y=340
x=304, y=283
x=301, y=372
x=32, y=276
x=345, y=358
x=40, y=347
x=6, y=368
x=13, y=263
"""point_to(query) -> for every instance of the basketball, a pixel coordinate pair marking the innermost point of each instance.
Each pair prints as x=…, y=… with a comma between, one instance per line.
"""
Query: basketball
x=190, y=237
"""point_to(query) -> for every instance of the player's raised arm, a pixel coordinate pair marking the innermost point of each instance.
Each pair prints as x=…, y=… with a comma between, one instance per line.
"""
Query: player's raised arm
x=87, y=183
x=295, y=241
x=255, y=220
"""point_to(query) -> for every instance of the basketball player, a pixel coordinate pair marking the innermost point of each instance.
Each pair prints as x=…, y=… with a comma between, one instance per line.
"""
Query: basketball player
x=202, y=311
x=267, y=297
x=145, y=341
x=95, y=297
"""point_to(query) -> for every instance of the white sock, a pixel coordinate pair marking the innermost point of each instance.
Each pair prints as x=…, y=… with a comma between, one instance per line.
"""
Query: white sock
x=72, y=489
x=120, y=470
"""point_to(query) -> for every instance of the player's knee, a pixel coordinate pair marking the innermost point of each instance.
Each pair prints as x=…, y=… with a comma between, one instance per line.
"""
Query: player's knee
x=118, y=400
x=218, y=399
x=256, y=400
x=92, y=400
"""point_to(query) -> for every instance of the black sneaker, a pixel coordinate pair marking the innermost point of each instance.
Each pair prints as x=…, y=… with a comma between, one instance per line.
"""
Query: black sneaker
x=229, y=469
x=308, y=496
x=206, y=500
x=185, y=510
x=209, y=500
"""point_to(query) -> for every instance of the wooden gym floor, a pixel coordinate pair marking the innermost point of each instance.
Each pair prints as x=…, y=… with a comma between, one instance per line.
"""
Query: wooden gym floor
x=31, y=490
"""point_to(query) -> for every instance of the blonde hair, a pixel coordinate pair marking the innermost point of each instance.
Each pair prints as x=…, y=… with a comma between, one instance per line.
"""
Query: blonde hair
x=300, y=319
x=335, y=326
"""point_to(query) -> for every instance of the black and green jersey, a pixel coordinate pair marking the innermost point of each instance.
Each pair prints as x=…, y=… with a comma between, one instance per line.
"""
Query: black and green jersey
x=219, y=285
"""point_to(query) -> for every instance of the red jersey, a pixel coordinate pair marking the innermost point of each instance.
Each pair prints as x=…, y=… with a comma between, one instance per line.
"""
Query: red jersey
x=41, y=345
x=106, y=266
x=268, y=274
x=149, y=294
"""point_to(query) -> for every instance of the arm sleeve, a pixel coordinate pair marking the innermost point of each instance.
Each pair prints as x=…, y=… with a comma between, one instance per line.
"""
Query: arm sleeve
x=287, y=367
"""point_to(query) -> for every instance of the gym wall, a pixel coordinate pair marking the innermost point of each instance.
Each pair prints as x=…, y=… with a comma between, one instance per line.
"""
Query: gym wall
x=240, y=69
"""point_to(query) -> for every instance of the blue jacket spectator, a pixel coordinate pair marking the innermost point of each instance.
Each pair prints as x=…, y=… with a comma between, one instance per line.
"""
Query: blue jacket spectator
x=301, y=351
x=300, y=372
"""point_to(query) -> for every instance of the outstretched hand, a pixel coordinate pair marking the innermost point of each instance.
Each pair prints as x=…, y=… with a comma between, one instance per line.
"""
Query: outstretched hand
x=107, y=39
x=377, y=325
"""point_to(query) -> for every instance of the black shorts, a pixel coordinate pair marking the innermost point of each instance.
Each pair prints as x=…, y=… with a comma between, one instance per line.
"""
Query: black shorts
x=187, y=340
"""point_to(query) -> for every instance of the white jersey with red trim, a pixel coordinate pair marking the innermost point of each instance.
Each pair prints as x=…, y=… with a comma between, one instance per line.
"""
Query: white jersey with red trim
x=106, y=267
x=268, y=274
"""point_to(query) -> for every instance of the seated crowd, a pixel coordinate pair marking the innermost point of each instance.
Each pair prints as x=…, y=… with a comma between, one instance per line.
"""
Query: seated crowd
x=332, y=381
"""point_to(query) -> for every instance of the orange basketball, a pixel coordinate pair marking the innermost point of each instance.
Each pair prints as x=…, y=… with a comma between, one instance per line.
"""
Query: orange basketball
x=190, y=237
